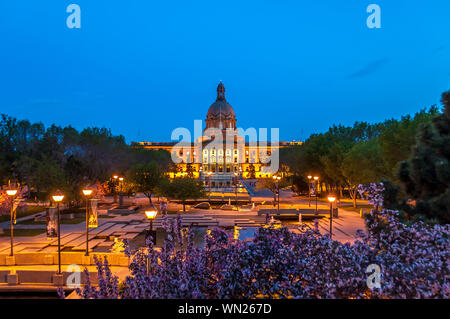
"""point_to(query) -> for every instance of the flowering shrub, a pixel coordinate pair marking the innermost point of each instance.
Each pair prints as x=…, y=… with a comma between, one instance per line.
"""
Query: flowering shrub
x=373, y=192
x=281, y=264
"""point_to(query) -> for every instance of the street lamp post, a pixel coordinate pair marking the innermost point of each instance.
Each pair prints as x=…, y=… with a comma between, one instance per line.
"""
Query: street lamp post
x=58, y=197
x=115, y=177
x=121, y=191
x=209, y=186
x=331, y=199
x=316, y=179
x=277, y=180
x=309, y=190
x=11, y=192
x=151, y=213
x=235, y=187
x=87, y=192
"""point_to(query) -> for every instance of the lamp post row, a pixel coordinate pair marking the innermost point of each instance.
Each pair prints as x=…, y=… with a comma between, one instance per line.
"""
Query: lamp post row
x=331, y=199
x=118, y=180
x=57, y=197
x=316, y=181
x=150, y=213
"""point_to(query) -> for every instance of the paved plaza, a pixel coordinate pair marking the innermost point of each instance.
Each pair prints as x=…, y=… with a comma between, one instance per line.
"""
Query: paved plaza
x=129, y=226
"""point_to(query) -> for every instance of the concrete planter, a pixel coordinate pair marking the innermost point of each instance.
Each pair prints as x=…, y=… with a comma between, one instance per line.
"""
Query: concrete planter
x=67, y=258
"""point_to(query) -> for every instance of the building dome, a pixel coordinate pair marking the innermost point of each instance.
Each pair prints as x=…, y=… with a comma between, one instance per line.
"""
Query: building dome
x=220, y=113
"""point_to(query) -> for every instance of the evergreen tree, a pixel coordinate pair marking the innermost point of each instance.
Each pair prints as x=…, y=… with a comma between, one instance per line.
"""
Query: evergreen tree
x=425, y=177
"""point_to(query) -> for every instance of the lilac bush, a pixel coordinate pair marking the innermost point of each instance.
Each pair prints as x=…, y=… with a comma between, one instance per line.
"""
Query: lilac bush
x=278, y=263
x=373, y=192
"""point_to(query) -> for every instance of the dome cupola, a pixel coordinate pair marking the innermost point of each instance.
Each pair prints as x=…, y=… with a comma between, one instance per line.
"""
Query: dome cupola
x=221, y=114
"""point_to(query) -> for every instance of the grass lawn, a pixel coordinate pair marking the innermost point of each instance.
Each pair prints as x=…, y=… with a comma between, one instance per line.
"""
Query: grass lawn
x=30, y=210
x=358, y=201
x=22, y=232
x=358, y=207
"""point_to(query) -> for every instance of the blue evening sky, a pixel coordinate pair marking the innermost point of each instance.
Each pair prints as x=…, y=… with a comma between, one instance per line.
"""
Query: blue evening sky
x=143, y=68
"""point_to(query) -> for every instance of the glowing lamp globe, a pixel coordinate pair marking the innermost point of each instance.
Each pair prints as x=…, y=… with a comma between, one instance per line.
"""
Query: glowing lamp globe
x=58, y=196
x=151, y=213
x=87, y=192
x=11, y=192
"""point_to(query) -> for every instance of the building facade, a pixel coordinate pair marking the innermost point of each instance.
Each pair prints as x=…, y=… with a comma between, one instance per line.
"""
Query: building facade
x=221, y=155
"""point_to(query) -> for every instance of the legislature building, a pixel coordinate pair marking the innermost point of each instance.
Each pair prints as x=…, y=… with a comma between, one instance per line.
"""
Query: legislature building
x=220, y=156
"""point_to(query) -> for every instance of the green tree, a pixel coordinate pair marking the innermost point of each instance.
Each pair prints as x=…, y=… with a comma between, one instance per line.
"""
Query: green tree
x=75, y=178
x=146, y=178
x=183, y=189
x=268, y=183
x=271, y=184
x=48, y=177
x=425, y=176
x=398, y=138
x=362, y=164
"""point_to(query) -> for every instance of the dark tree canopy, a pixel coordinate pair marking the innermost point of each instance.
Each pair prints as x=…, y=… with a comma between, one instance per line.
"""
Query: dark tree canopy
x=425, y=176
x=63, y=158
x=346, y=156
